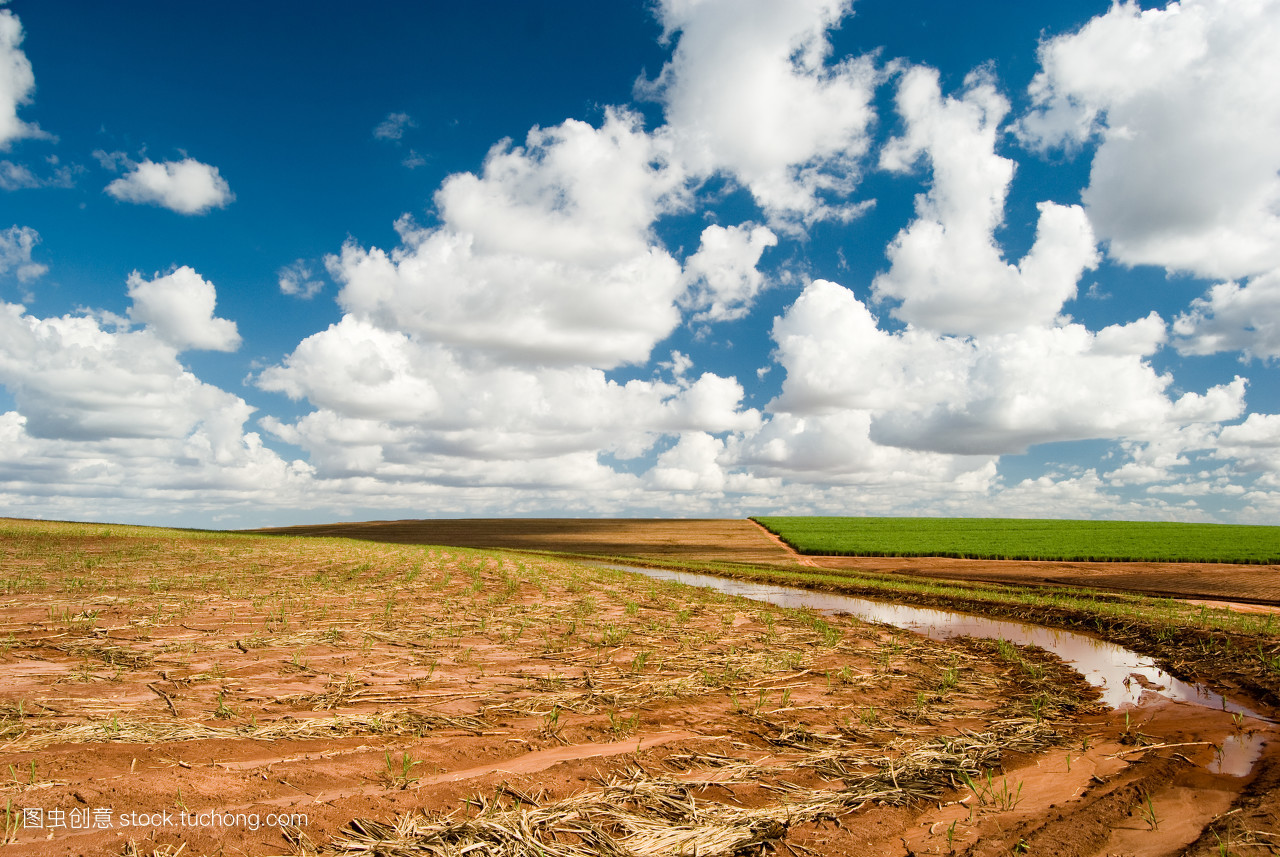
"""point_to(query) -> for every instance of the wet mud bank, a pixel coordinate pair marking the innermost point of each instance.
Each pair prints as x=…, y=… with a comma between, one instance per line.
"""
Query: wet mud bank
x=1214, y=785
x=1237, y=665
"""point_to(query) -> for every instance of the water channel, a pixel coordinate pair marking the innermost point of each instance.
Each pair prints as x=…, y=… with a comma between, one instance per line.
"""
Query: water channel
x=1125, y=678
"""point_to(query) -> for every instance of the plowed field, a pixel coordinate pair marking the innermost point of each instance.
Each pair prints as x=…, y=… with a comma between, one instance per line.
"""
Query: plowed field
x=167, y=692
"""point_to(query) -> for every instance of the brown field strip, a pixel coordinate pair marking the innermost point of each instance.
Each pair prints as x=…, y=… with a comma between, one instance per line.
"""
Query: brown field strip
x=742, y=541
x=701, y=540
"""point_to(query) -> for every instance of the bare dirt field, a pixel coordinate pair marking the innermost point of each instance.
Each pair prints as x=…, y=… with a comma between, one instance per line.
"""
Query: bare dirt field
x=166, y=692
x=743, y=541
x=702, y=540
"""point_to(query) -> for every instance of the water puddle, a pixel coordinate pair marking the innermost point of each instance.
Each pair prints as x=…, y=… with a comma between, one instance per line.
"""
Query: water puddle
x=1125, y=678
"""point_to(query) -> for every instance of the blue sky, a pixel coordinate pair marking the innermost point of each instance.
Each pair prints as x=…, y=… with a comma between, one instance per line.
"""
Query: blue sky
x=290, y=263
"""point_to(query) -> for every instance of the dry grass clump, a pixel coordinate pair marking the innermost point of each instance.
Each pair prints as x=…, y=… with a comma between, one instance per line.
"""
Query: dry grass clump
x=640, y=815
x=390, y=723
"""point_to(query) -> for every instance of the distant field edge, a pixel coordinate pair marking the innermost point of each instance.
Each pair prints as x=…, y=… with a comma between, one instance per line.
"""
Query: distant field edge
x=1031, y=539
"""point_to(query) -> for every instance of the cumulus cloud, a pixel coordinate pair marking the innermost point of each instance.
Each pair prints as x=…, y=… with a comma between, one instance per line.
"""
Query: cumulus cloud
x=1032, y=387
x=546, y=257
x=691, y=465
x=145, y=478
x=297, y=279
x=104, y=409
x=476, y=353
x=1254, y=445
x=392, y=403
x=969, y=396
x=16, y=244
x=75, y=379
x=837, y=357
x=722, y=277
x=17, y=83
x=836, y=448
x=1184, y=103
x=1234, y=317
x=178, y=308
x=187, y=186
x=946, y=268
x=751, y=91
x=931, y=415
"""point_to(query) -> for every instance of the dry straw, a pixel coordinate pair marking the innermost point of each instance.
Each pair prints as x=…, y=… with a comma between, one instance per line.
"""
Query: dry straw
x=640, y=815
x=402, y=722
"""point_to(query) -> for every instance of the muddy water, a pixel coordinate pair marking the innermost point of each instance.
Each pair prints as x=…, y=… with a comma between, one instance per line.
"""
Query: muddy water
x=1126, y=679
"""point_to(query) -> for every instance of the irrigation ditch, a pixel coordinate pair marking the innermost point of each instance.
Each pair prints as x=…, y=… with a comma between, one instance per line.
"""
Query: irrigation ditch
x=1123, y=678
x=1224, y=736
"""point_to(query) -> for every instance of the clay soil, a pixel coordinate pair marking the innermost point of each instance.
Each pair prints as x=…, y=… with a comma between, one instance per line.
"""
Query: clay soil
x=165, y=692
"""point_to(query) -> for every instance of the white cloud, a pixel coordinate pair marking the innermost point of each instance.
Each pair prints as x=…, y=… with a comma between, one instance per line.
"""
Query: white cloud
x=476, y=352
x=1218, y=404
x=366, y=372
x=74, y=379
x=545, y=258
x=1254, y=445
x=17, y=176
x=947, y=270
x=1141, y=337
x=178, y=307
x=107, y=417
x=189, y=478
x=1168, y=455
x=21, y=177
x=722, y=277
x=836, y=448
x=864, y=406
x=113, y=161
x=390, y=404
x=1078, y=495
x=691, y=465
x=1032, y=387
x=838, y=358
x=750, y=91
x=17, y=83
x=1233, y=317
x=393, y=127
x=1185, y=104
x=296, y=279
x=16, y=244
x=987, y=396
x=176, y=479
x=573, y=192
x=187, y=186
